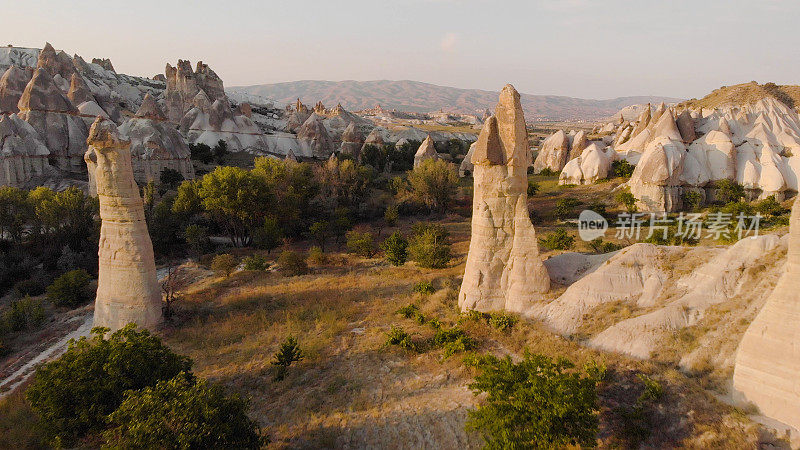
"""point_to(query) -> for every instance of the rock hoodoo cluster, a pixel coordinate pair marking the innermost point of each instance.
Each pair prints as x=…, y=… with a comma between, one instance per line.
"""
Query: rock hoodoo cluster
x=127, y=287
x=504, y=270
x=768, y=358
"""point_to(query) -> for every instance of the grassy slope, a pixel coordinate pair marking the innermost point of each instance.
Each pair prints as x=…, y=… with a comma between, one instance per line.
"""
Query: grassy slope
x=745, y=93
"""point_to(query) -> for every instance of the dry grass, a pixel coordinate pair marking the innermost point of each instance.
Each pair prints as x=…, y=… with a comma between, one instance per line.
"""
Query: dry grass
x=744, y=93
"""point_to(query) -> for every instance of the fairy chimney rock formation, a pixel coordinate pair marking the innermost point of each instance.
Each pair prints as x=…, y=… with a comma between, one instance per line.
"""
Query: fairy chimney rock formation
x=12, y=85
x=768, y=359
x=504, y=270
x=425, y=151
x=127, y=287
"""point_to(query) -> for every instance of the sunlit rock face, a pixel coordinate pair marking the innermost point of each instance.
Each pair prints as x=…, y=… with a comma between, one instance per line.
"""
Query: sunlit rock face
x=425, y=151
x=504, y=270
x=768, y=359
x=127, y=287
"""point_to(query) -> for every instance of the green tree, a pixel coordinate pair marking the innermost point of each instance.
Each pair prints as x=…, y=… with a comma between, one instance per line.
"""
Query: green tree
x=430, y=246
x=15, y=212
x=75, y=393
x=170, y=178
x=269, y=235
x=70, y=289
x=202, y=153
x=361, y=243
x=320, y=232
x=728, y=191
x=220, y=151
x=536, y=403
x=196, y=237
x=626, y=199
x=293, y=186
x=182, y=413
x=391, y=215
x=434, y=183
x=396, y=249
x=558, y=240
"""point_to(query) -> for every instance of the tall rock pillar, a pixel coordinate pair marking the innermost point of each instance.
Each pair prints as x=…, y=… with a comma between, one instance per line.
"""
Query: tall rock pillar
x=504, y=270
x=767, y=370
x=127, y=287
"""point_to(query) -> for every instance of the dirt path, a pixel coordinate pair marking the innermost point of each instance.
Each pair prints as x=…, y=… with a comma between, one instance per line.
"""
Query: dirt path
x=21, y=374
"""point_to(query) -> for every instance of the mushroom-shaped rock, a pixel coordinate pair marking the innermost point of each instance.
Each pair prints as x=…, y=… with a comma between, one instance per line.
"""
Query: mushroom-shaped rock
x=425, y=151
x=127, y=286
x=503, y=269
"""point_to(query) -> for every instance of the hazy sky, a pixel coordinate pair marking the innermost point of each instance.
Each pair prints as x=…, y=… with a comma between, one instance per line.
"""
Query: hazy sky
x=580, y=48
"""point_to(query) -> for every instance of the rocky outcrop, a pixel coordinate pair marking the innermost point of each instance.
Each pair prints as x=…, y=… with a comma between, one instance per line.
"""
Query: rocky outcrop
x=55, y=119
x=425, y=151
x=23, y=155
x=466, y=167
x=315, y=142
x=352, y=140
x=127, y=287
x=553, y=154
x=768, y=358
x=503, y=270
x=578, y=145
x=183, y=84
x=56, y=63
x=12, y=85
x=592, y=165
x=155, y=144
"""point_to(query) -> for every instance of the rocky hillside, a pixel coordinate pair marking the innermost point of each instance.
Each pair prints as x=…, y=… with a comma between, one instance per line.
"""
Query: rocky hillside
x=415, y=96
x=745, y=93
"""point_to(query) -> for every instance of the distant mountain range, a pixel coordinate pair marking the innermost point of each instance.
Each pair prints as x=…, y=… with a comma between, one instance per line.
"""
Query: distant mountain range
x=415, y=96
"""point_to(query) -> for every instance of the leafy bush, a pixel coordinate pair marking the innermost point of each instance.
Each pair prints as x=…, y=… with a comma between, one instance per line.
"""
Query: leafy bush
x=316, y=256
x=224, y=264
x=692, y=201
x=636, y=420
x=599, y=246
x=292, y=263
x=256, y=262
x=503, y=321
x=453, y=340
x=70, y=289
x=170, y=177
x=391, y=215
x=182, y=413
x=202, y=153
x=396, y=249
x=74, y=393
x=424, y=287
x=533, y=188
x=408, y=311
x=547, y=172
x=399, y=337
x=361, y=243
x=430, y=246
x=268, y=236
x=536, y=403
x=564, y=207
x=434, y=183
x=626, y=199
x=622, y=169
x=728, y=191
x=36, y=285
x=770, y=207
x=196, y=238
x=21, y=314
x=558, y=240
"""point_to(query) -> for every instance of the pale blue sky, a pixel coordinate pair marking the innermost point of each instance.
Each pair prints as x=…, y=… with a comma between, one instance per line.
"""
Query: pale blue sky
x=580, y=48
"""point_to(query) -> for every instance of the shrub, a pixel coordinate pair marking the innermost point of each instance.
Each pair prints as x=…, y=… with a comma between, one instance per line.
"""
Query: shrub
x=316, y=256
x=361, y=243
x=565, y=207
x=408, y=311
x=396, y=249
x=434, y=183
x=599, y=246
x=626, y=199
x=256, y=262
x=224, y=264
x=548, y=172
x=502, y=321
x=424, y=287
x=202, y=153
x=558, y=240
x=182, y=413
x=430, y=246
x=291, y=263
x=536, y=403
x=391, y=215
x=268, y=236
x=622, y=169
x=170, y=177
x=21, y=314
x=769, y=207
x=70, y=289
x=453, y=340
x=692, y=201
x=399, y=337
x=533, y=188
x=288, y=353
x=196, y=238
x=74, y=393
x=36, y=285
x=728, y=191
